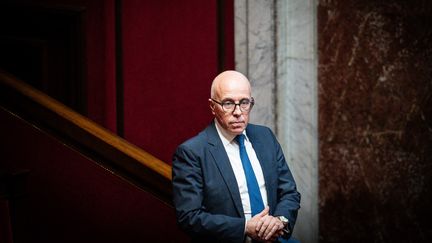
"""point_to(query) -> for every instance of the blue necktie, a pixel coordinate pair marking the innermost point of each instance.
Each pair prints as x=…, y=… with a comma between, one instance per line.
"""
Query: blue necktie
x=256, y=202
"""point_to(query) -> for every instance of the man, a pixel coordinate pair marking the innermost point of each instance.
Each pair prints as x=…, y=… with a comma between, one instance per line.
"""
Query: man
x=231, y=182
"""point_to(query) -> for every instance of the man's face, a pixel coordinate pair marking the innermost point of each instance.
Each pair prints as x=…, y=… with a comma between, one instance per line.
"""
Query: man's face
x=233, y=121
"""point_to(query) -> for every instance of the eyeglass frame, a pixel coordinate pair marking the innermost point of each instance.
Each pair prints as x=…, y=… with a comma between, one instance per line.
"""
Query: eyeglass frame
x=251, y=104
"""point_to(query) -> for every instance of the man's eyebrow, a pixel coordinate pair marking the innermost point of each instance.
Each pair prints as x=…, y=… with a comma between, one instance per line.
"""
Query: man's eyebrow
x=231, y=99
x=227, y=99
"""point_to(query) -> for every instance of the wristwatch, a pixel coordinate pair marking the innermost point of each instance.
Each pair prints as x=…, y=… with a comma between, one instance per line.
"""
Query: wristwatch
x=285, y=222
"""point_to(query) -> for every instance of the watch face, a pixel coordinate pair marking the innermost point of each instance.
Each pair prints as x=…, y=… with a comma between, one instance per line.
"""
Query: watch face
x=283, y=219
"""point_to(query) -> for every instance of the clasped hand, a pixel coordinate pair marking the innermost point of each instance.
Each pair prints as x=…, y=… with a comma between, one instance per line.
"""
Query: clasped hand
x=264, y=227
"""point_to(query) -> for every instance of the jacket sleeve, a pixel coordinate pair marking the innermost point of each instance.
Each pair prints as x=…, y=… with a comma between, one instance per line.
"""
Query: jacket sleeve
x=288, y=198
x=188, y=198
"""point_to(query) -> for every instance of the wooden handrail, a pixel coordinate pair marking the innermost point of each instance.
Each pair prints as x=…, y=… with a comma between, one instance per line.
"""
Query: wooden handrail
x=105, y=147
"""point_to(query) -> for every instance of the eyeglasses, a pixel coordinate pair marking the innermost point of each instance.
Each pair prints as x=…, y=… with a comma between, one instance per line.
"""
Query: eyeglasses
x=229, y=106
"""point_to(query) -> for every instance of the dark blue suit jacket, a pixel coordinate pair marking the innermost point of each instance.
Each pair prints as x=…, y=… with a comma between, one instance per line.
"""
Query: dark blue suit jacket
x=205, y=191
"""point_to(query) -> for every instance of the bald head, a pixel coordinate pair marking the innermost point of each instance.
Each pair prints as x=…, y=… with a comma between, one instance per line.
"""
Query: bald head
x=233, y=89
x=229, y=81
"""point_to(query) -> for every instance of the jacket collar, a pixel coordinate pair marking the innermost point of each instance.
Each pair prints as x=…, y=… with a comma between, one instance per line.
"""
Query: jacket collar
x=220, y=158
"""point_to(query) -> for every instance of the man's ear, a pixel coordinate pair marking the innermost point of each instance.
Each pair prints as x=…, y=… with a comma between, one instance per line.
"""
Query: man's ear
x=212, y=106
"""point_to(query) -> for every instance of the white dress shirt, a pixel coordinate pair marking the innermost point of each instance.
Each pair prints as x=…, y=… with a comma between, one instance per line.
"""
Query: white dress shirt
x=233, y=151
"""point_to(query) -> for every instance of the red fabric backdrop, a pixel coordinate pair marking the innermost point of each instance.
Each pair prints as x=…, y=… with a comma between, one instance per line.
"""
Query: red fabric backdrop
x=171, y=54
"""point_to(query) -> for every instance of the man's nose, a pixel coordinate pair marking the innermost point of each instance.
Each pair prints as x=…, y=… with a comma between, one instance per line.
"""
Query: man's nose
x=237, y=111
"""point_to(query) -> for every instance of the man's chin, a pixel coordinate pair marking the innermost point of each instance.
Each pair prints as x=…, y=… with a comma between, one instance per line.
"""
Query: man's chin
x=237, y=130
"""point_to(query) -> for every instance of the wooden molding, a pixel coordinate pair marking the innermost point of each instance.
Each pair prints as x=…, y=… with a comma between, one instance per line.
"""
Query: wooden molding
x=104, y=147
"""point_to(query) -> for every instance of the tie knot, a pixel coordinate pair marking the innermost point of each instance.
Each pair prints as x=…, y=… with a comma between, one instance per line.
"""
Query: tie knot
x=240, y=139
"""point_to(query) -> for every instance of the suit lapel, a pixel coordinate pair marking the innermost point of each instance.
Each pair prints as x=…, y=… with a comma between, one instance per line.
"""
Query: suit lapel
x=221, y=160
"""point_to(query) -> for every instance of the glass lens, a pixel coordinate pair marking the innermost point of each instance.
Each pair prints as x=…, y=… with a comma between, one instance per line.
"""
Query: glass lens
x=245, y=104
x=228, y=105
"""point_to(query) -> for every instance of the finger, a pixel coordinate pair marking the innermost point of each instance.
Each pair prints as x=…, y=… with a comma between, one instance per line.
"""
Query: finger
x=264, y=226
x=280, y=233
x=269, y=229
x=275, y=227
x=258, y=225
x=269, y=233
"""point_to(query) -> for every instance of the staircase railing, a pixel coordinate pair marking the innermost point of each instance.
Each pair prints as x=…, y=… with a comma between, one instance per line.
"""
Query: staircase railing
x=87, y=137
